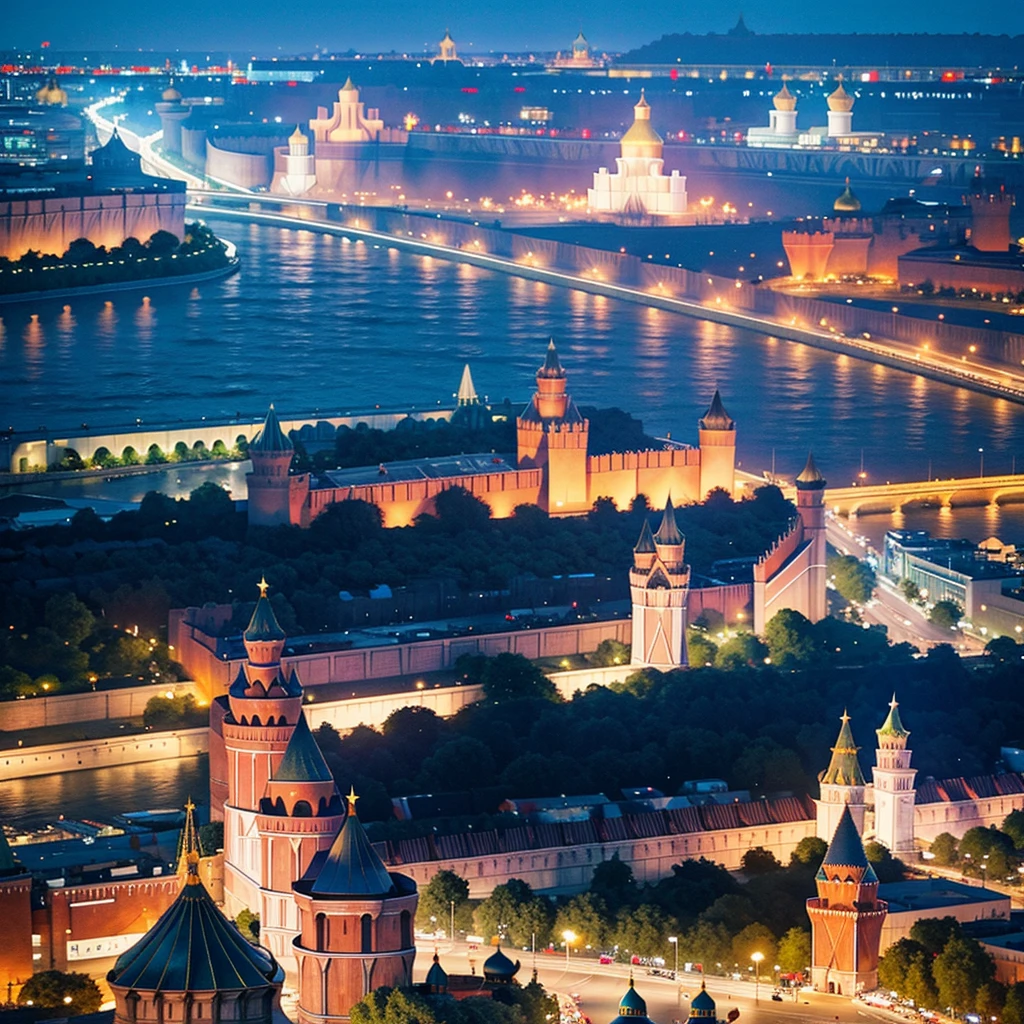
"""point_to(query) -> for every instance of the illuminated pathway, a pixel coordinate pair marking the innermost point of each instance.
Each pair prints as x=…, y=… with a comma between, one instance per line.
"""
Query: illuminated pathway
x=973, y=376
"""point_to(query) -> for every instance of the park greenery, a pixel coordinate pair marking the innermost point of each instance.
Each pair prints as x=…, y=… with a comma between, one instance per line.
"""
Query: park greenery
x=853, y=579
x=72, y=993
x=992, y=854
x=85, y=265
x=512, y=1004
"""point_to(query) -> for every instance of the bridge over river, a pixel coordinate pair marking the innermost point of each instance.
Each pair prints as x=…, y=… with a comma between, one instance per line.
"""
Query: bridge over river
x=952, y=493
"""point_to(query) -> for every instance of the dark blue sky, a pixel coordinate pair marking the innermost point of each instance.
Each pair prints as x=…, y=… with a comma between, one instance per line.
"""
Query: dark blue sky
x=270, y=26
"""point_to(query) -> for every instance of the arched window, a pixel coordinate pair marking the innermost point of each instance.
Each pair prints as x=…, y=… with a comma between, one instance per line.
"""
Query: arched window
x=321, y=932
x=302, y=809
x=406, y=929
x=366, y=923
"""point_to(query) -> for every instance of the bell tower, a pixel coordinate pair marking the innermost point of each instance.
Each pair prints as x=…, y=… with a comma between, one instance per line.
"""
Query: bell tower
x=894, y=784
x=552, y=436
x=846, y=916
x=842, y=786
x=659, y=584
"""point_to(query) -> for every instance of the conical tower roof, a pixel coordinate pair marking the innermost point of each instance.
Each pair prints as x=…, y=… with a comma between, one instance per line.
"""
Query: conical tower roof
x=349, y=86
x=893, y=724
x=437, y=976
x=552, y=367
x=641, y=131
x=188, y=842
x=632, y=1004
x=840, y=100
x=271, y=438
x=844, y=768
x=303, y=760
x=352, y=866
x=645, y=545
x=194, y=948
x=846, y=850
x=668, y=533
x=716, y=418
x=810, y=478
x=467, y=390
x=263, y=625
x=702, y=1005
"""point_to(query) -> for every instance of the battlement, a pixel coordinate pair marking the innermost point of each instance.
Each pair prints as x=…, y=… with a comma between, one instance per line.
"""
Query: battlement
x=655, y=458
x=781, y=551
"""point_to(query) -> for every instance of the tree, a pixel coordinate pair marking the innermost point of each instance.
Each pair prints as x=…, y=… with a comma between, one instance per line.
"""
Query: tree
x=1003, y=649
x=614, y=884
x=437, y=897
x=459, y=511
x=894, y=965
x=945, y=847
x=1013, y=1007
x=854, y=580
x=162, y=243
x=810, y=850
x=755, y=938
x=795, y=950
x=509, y=677
x=740, y=651
x=69, y=618
x=706, y=943
x=641, y=932
x=248, y=924
x=759, y=861
x=946, y=614
x=52, y=989
x=701, y=650
x=909, y=589
x=959, y=971
x=790, y=638
x=610, y=652
x=934, y=933
x=919, y=984
x=1013, y=826
x=514, y=913
x=587, y=916
x=887, y=867
x=987, y=852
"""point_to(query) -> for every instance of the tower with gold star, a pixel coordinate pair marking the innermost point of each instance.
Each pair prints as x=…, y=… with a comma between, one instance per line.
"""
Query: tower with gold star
x=894, y=784
x=842, y=785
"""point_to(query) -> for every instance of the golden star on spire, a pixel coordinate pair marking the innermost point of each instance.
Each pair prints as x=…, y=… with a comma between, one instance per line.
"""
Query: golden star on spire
x=263, y=585
x=189, y=806
x=844, y=717
x=352, y=798
x=894, y=703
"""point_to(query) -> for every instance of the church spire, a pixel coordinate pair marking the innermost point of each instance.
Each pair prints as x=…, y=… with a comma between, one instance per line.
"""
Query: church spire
x=552, y=368
x=844, y=768
x=467, y=390
x=668, y=533
x=893, y=724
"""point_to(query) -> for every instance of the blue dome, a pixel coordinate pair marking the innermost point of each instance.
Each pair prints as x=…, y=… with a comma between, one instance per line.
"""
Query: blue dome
x=702, y=1005
x=498, y=967
x=632, y=1003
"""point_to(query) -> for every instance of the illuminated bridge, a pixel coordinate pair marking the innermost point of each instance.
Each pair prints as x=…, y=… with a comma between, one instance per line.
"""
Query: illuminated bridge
x=953, y=493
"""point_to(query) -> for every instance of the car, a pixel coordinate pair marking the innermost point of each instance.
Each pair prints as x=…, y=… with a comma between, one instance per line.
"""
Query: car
x=606, y=958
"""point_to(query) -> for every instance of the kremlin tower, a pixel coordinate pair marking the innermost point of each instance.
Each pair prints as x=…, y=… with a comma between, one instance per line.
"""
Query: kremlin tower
x=193, y=965
x=810, y=506
x=659, y=583
x=275, y=497
x=172, y=111
x=846, y=916
x=552, y=435
x=717, y=440
x=894, y=785
x=299, y=165
x=840, y=112
x=842, y=786
x=355, y=926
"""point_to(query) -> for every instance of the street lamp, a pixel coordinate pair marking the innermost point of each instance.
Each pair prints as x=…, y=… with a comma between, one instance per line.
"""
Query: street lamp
x=451, y=936
x=674, y=939
x=757, y=958
x=981, y=459
x=570, y=938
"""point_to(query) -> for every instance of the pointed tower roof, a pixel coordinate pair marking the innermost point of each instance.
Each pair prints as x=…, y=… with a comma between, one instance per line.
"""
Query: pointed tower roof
x=702, y=1005
x=716, y=418
x=844, y=768
x=9, y=864
x=352, y=866
x=784, y=99
x=349, y=86
x=303, y=760
x=188, y=843
x=194, y=948
x=467, y=390
x=641, y=131
x=668, y=532
x=263, y=625
x=271, y=438
x=846, y=201
x=846, y=849
x=632, y=1004
x=810, y=478
x=645, y=545
x=893, y=724
x=840, y=100
x=552, y=367
x=298, y=135
x=437, y=976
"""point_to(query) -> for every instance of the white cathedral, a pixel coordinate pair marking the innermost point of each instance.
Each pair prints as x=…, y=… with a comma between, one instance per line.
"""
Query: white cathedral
x=639, y=184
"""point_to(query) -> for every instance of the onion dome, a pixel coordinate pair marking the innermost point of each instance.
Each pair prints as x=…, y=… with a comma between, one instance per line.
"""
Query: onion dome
x=170, y=95
x=632, y=1007
x=810, y=478
x=641, y=130
x=844, y=768
x=645, y=545
x=352, y=866
x=51, y=94
x=846, y=851
x=668, y=533
x=552, y=368
x=702, y=1006
x=437, y=977
x=784, y=99
x=194, y=948
x=298, y=135
x=846, y=201
x=499, y=968
x=840, y=101
x=263, y=625
x=303, y=760
x=893, y=724
x=271, y=438
x=716, y=418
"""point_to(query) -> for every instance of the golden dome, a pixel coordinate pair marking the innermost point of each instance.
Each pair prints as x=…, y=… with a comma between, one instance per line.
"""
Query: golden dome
x=51, y=94
x=641, y=132
x=840, y=101
x=784, y=99
x=297, y=135
x=170, y=95
x=846, y=202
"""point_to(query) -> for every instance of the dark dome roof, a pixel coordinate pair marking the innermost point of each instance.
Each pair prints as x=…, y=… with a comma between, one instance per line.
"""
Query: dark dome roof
x=499, y=967
x=303, y=760
x=437, y=976
x=632, y=1004
x=702, y=1005
x=263, y=625
x=271, y=438
x=352, y=866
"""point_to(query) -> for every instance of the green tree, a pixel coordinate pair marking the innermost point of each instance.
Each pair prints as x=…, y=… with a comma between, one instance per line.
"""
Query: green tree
x=795, y=950
x=810, y=850
x=175, y=712
x=68, y=617
x=987, y=852
x=610, y=652
x=211, y=837
x=643, y=932
x=755, y=938
x=932, y=934
x=945, y=614
x=1003, y=649
x=945, y=846
x=509, y=677
x=71, y=993
x=701, y=649
x=909, y=589
x=248, y=924
x=707, y=944
x=162, y=243
x=894, y=965
x=458, y=511
x=614, y=884
x=514, y=913
x=854, y=580
x=587, y=916
x=740, y=651
x=759, y=861
x=919, y=984
x=1013, y=1007
x=1013, y=826
x=887, y=867
x=790, y=638
x=959, y=971
x=436, y=899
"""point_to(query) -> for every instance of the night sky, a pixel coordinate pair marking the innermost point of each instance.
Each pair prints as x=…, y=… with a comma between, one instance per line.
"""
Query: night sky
x=266, y=27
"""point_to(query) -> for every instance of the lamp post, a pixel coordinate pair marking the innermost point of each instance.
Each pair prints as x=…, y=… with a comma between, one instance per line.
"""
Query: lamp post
x=569, y=937
x=674, y=939
x=451, y=935
x=981, y=462
x=757, y=958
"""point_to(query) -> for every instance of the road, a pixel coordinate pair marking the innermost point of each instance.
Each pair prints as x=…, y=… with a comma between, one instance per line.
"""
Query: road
x=600, y=988
x=906, y=622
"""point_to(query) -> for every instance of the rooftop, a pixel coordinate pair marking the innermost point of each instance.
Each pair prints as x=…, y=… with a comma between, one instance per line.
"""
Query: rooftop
x=421, y=469
x=935, y=894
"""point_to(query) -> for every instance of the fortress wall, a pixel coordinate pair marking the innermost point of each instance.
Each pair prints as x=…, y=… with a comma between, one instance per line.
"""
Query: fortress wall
x=956, y=817
x=247, y=170
x=790, y=587
x=193, y=146
x=773, y=559
x=656, y=473
x=734, y=602
x=570, y=869
x=955, y=275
